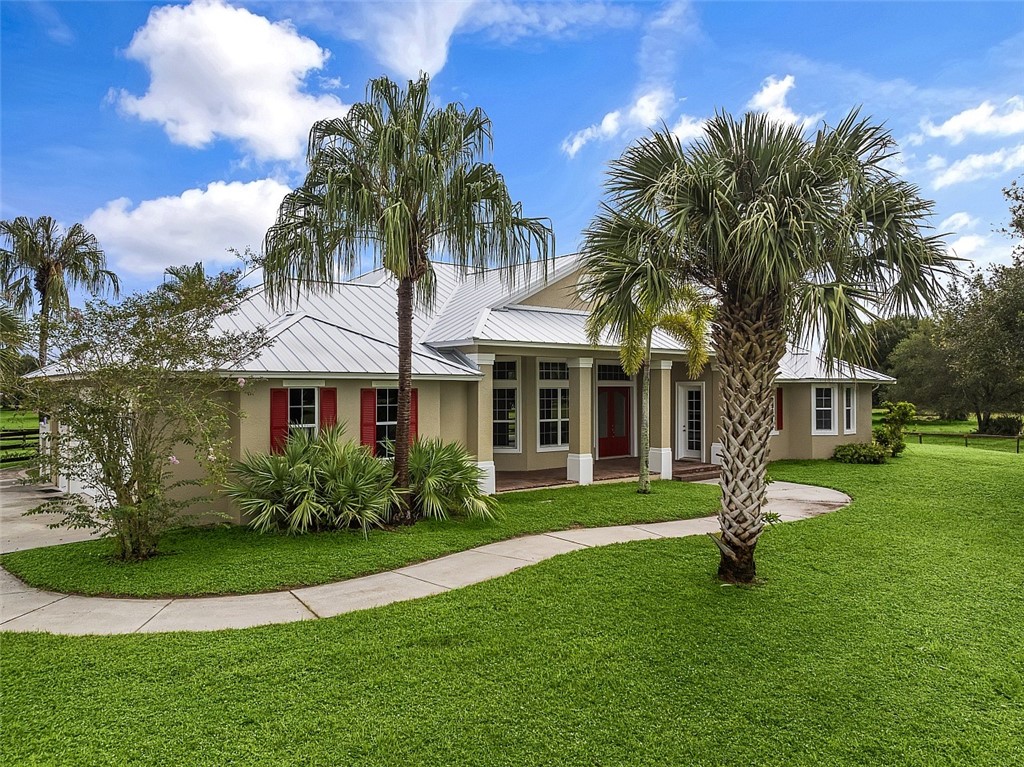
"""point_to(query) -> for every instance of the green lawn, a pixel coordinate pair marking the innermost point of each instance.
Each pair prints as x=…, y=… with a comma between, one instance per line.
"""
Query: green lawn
x=930, y=425
x=887, y=633
x=236, y=560
x=16, y=420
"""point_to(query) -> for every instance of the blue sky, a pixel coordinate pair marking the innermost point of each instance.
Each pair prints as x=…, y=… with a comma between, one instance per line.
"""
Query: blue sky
x=172, y=131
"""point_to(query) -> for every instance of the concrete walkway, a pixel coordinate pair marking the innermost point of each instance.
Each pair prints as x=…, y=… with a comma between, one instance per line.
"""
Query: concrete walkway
x=23, y=608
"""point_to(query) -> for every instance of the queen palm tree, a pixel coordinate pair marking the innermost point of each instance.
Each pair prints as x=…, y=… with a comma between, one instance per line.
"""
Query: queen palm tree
x=401, y=181
x=41, y=260
x=627, y=267
x=795, y=237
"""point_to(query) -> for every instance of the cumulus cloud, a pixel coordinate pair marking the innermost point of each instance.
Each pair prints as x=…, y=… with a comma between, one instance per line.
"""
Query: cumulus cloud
x=646, y=111
x=976, y=166
x=197, y=225
x=223, y=72
x=771, y=100
x=982, y=250
x=986, y=119
x=958, y=221
x=688, y=128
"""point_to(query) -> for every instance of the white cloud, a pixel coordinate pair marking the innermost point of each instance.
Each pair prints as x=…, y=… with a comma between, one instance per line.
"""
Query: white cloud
x=771, y=100
x=688, y=128
x=958, y=221
x=975, y=166
x=197, y=225
x=413, y=36
x=982, y=250
x=223, y=72
x=983, y=120
x=646, y=111
x=56, y=28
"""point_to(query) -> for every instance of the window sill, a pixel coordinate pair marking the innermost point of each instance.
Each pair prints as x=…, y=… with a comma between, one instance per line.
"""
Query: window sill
x=552, y=448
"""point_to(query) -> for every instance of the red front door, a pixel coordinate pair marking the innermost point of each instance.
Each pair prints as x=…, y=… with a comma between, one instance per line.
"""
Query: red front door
x=613, y=413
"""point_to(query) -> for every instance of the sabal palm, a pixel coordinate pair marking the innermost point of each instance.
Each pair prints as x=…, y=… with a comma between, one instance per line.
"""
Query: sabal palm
x=627, y=268
x=41, y=260
x=13, y=334
x=401, y=181
x=795, y=236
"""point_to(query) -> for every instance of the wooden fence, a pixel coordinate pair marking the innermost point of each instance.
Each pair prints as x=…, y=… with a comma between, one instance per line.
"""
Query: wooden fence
x=959, y=435
x=18, y=445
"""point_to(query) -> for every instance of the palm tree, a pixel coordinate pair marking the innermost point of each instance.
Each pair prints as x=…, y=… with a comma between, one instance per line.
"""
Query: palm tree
x=400, y=180
x=627, y=268
x=40, y=259
x=184, y=279
x=794, y=236
x=13, y=335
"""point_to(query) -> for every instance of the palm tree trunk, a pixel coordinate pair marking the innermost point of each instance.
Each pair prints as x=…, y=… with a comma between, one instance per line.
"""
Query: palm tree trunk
x=44, y=326
x=749, y=342
x=645, y=424
x=404, y=428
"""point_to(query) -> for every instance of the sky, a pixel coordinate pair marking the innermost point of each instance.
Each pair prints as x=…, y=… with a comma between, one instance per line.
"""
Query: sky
x=172, y=131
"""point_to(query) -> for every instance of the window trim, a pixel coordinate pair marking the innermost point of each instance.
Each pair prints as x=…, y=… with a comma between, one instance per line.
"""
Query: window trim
x=775, y=411
x=315, y=427
x=834, y=429
x=850, y=408
x=506, y=383
x=378, y=423
x=554, y=383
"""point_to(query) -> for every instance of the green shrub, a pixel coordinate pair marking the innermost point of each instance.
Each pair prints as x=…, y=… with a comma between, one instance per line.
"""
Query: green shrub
x=1004, y=425
x=321, y=482
x=860, y=452
x=445, y=481
x=889, y=439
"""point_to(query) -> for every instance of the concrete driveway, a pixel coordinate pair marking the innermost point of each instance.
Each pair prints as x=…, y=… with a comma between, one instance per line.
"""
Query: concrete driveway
x=18, y=532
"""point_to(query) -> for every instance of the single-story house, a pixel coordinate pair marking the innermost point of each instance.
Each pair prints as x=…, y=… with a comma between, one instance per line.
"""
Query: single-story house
x=510, y=374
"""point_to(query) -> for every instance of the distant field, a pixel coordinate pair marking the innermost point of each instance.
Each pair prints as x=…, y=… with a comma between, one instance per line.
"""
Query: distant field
x=16, y=420
x=930, y=424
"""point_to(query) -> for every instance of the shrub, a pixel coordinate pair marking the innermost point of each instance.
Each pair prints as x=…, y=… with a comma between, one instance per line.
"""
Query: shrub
x=860, y=452
x=889, y=439
x=321, y=482
x=1005, y=425
x=445, y=481
x=890, y=434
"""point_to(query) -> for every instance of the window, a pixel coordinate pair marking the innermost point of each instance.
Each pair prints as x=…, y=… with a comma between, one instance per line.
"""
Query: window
x=505, y=406
x=302, y=414
x=553, y=407
x=611, y=373
x=823, y=404
x=777, y=410
x=387, y=422
x=850, y=410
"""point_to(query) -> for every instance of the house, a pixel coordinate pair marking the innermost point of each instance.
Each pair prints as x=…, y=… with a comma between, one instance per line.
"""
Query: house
x=509, y=373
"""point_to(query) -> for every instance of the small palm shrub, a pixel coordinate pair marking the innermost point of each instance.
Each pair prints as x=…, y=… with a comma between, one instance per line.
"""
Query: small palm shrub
x=444, y=481
x=859, y=452
x=321, y=482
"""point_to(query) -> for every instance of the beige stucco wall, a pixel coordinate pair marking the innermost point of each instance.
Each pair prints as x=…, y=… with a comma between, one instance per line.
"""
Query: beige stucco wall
x=796, y=440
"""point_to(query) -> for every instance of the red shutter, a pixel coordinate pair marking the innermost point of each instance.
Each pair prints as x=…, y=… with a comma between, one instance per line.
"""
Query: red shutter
x=278, y=419
x=328, y=407
x=778, y=409
x=414, y=416
x=368, y=418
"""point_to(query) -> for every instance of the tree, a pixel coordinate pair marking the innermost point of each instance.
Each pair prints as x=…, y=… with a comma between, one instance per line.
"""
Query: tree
x=134, y=385
x=794, y=237
x=626, y=278
x=13, y=335
x=40, y=260
x=401, y=181
x=924, y=373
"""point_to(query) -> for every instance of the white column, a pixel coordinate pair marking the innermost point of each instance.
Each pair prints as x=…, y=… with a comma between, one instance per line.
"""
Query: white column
x=661, y=419
x=481, y=425
x=580, y=461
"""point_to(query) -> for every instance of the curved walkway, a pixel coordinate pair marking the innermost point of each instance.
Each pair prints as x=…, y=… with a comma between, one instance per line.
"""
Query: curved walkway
x=23, y=608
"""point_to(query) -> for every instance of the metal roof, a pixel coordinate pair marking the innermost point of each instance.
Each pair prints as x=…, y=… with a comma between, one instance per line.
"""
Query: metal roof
x=805, y=365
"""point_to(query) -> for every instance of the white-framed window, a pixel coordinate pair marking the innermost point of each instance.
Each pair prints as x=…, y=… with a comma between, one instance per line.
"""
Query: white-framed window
x=776, y=400
x=303, y=410
x=505, y=408
x=553, y=406
x=387, y=422
x=849, y=410
x=823, y=410
x=611, y=372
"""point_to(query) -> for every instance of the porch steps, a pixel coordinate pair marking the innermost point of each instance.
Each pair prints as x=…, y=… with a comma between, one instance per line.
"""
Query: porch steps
x=694, y=472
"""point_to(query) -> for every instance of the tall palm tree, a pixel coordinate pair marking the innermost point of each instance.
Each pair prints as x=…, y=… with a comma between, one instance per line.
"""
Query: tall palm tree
x=402, y=181
x=41, y=260
x=795, y=237
x=627, y=267
x=13, y=335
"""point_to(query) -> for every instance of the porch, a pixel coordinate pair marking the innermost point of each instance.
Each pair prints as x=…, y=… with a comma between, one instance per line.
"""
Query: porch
x=606, y=470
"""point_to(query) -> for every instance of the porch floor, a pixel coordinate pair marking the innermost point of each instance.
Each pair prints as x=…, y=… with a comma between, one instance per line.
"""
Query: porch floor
x=605, y=470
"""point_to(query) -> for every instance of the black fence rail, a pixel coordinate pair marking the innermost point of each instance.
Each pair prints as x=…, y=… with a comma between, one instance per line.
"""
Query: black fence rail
x=960, y=435
x=18, y=445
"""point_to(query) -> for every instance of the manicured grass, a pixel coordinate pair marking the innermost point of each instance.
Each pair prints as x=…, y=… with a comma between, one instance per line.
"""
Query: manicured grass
x=887, y=633
x=236, y=560
x=18, y=419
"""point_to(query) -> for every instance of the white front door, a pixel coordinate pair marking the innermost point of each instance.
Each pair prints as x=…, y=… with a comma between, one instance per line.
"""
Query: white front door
x=690, y=422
